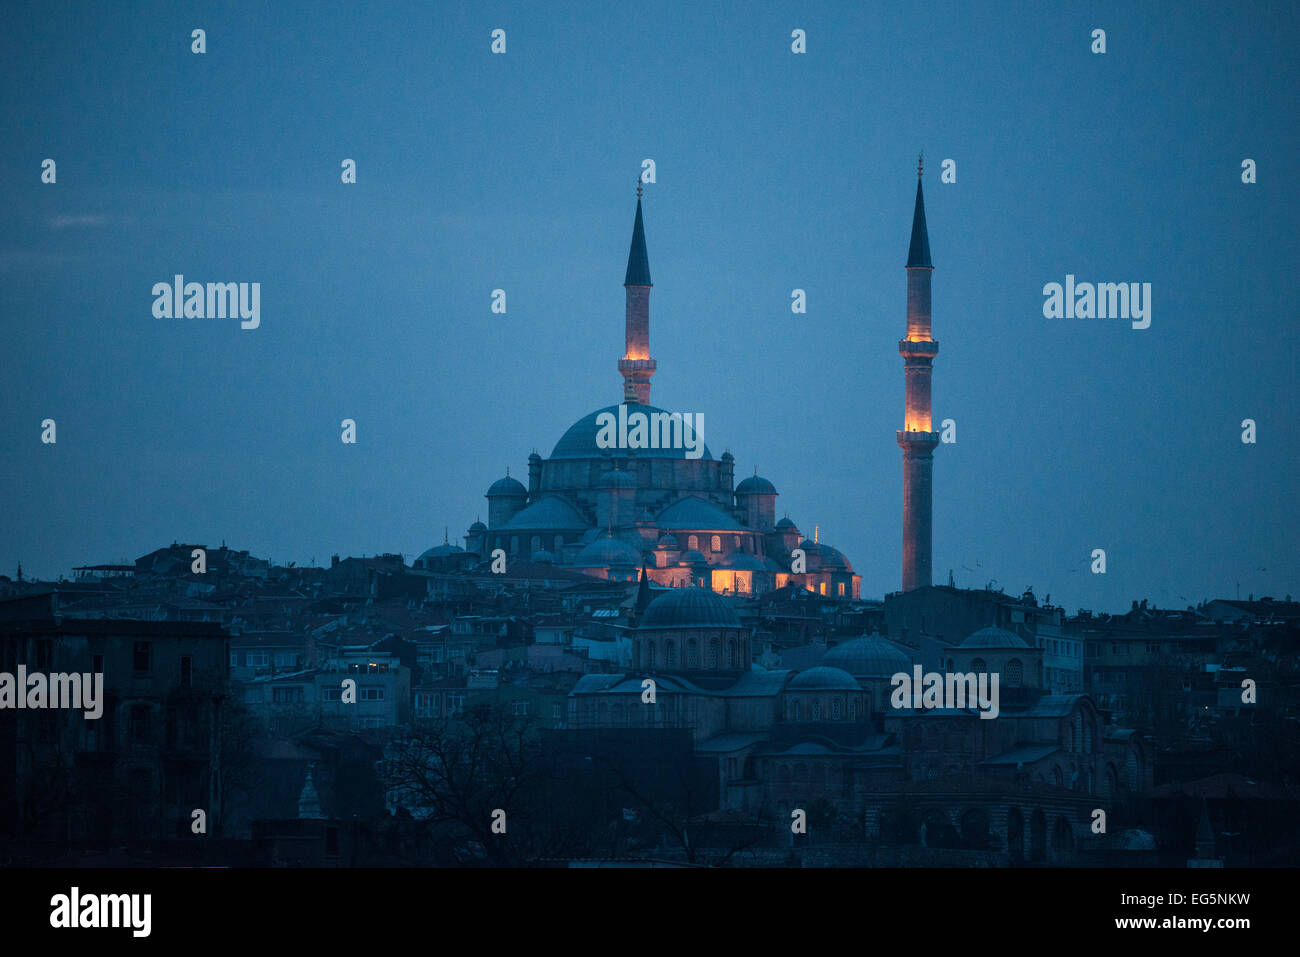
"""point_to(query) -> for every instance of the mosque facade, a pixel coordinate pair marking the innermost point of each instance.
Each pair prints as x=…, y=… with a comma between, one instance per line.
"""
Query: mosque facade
x=676, y=512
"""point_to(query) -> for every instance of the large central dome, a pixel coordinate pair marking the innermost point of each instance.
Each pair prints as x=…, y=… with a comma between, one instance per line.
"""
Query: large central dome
x=580, y=441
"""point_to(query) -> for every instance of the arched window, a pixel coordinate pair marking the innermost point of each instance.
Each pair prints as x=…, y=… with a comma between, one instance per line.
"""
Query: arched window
x=731, y=652
x=559, y=544
x=853, y=709
x=713, y=652
x=797, y=709
x=716, y=544
x=1057, y=780
x=535, y=545
x=693, y=542
x=817, y=709
x=692, y=653
x=978, y=666
x=1087, y=737
x=650, y=654
x=823, y=588
x=670, y=654
x=1015, y=673
x=835, y=709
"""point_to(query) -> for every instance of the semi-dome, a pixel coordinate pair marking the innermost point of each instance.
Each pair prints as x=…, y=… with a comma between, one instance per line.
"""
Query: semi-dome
x=579, y=442
x=994, y=638
x=507, y=486
x=823, y=678
x=689, y=608
x=692, y=557
x=667, y=541
x=548, y=514
x=606, y=551
x=617, y=478
x=756, y=485
x=744, y=562
x=869, y=657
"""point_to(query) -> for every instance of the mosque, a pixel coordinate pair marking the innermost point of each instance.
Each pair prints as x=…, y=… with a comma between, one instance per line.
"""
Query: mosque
x=611, y=512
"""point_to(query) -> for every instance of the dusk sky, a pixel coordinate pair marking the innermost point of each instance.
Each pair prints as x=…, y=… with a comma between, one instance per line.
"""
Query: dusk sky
x=775, y=171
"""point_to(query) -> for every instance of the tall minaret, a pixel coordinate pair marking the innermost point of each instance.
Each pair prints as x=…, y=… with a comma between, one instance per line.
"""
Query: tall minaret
x=915, y=438
x=636, y=366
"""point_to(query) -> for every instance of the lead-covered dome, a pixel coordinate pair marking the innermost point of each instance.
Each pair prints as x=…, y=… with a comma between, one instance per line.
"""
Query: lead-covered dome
x=870, y=656
x=579, y=442
x=605, y=552
x=689, y=608
x=507, y=487
x=994, y=638
x=823, y=678
x=756, y=485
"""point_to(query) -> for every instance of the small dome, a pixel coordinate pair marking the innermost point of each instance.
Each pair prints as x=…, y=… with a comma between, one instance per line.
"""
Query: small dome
x=756, y=485
x=825, y=557
x=478, y=527
x=667, y=541
x=441, y=551
x=616, y=479
x=823, y=678
x=993, y=638
x=543, y=557
x=507, y=486
x=605, y=552
x=869, y=657
x=786, y=523
x=744, y=562
x=692, y=557
x=689, y=608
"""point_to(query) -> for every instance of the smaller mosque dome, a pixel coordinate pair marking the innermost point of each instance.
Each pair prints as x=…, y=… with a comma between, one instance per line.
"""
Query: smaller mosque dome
x=743, y=562
x=617, y=479
x=830, y=559
x=478, y=527
x=543, y=557
x=440, y=551
x=756, y=485
x=604, y=552
x=667, y=541
x=869, y=657
x=506, y=487
x=993, y=638
x=692, y=557
x=823, y=678
x=785, y=522
x=689, y=608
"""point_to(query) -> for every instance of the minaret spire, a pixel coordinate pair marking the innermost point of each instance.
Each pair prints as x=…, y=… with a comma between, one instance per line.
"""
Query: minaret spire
x=636, y=366
x=915, y=438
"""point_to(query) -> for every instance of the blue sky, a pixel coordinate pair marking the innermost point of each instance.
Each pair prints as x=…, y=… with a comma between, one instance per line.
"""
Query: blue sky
x=775, y=171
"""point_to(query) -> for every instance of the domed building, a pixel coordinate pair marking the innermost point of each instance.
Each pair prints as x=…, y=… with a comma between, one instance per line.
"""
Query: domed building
x=645, y=476
x=690, y=629
x=1001, y=652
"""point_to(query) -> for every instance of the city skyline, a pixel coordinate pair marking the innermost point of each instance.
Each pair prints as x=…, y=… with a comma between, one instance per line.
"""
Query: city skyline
x=1073, y=434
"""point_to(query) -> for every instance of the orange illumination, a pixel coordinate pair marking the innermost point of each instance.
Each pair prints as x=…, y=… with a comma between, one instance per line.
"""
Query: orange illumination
x=638, y=354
